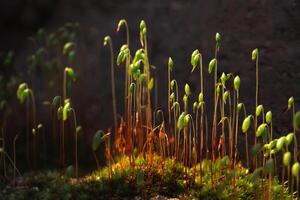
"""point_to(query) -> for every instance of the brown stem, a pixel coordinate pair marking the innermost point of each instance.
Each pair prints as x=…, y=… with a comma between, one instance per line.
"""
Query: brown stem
x=15, y=163
x=113, y=91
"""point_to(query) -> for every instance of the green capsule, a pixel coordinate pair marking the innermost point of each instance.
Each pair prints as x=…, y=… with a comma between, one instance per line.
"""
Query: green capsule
x=172, y=96
x=289, y=138
x=106, y=40
x=195, y=52
x=66, y=110
x=212, y=65
x=120, y=57
x=67, y=47
x=269, y=117
x=280, y=143
x=39, y=126
x=218, y=39
x=195, y=61
x=200, y=104
x=296, y=169
x=139, y=55
x=290, y=102
x=135, y=66
x=187, y=89
x=273, y=144
x=237, y=82
x=267, y=146
x=71, y=73
x=24, y=95
x=254, y=54
x=172, y=84
x=21, y=89
x=67, y=101
x=144, y=32
x=186, y=120
x=170, y=64
x=223, y=78
x=78, y=130
x=225, y=96
x=142, y=25
x=195, y=57
x=261, y=130
x=273, y=151
x=180, y=121
x=287, y=157
x=195, y=106
x=200, y=97
x=124, y=47
x=239, y=107
x=246, y=124
x=259, y=110
x=33, y=131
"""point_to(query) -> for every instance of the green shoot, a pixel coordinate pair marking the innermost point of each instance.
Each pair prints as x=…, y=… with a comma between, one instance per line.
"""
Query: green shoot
x=107, y=41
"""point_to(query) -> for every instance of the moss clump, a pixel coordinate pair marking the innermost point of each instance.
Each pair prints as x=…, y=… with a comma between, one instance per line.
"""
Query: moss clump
x=145, y=179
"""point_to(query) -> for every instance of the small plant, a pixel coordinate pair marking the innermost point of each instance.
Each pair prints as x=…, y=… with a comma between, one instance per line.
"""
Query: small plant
x=24, y=93
x=196, y=60
x=170, y=69
x=125, y=56
x=254, y=57
x=237, y=82
x=107, y=41
x=291, y=106
x=286, y=163
x=68, y=72
x=98, y=139
x=296, y=172
x=63, y=114
x=245, y=127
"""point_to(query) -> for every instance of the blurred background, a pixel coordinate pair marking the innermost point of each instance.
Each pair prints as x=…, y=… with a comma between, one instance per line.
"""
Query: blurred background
x=33, y=32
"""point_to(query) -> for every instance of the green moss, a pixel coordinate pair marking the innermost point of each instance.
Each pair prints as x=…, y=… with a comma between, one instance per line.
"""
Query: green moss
x=162, y=178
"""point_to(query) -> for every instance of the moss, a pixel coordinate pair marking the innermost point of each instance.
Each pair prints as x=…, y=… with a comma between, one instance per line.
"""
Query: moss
x=163, y=178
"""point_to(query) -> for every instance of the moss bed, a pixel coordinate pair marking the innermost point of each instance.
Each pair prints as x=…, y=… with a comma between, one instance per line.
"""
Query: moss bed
x=145, y=179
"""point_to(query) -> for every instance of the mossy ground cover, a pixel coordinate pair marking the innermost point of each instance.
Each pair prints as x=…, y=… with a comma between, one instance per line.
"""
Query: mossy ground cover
x=144, y=180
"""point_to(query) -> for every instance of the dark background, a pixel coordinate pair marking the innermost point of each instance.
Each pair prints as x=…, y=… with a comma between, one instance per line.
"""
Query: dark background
x=175, y=28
